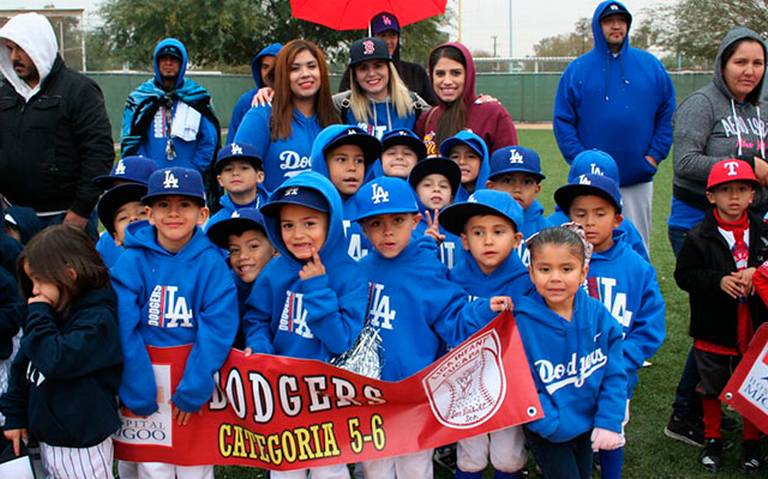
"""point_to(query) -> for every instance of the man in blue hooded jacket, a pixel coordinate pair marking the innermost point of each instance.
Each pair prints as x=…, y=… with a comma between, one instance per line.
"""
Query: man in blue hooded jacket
x=620, y=100
x=169, y=118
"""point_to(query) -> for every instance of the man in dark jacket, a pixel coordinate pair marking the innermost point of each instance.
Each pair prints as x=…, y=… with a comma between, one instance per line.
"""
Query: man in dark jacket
x=385, y=26
x=55, y=135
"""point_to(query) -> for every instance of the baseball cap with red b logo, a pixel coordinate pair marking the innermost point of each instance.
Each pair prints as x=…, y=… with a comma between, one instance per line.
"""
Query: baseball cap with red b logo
x=729, y=170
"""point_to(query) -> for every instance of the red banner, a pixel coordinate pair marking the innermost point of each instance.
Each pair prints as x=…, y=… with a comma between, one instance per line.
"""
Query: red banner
x=747, y=390
x=281, y=413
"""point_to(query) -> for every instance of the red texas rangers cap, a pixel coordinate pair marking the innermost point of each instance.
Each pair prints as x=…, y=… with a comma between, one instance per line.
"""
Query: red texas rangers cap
x=729, y=170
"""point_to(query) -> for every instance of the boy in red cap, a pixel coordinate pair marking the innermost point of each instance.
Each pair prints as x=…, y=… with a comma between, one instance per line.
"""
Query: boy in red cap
x=715, y=266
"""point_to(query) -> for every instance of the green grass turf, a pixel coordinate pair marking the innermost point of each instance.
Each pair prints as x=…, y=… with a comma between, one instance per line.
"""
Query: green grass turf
x=649, y=454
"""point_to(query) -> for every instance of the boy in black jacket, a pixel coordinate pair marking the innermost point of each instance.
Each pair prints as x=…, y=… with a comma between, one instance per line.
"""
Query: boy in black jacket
x=715, y=267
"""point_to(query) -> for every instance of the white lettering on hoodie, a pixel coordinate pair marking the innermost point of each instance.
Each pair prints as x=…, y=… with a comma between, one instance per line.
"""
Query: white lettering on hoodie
x=33, y=33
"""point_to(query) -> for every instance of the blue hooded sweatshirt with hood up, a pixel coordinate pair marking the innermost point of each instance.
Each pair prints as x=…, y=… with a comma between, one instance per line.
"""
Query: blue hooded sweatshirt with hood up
x=357, y=245
x=621, y=104
x=417, y=309
x=167, y=299
x=244, y=102
x=317, y=318
x=449, y=252
x=533, y=222
x=228, y=206
x=626, y=284
x=485, y=165
x=577, y=366
x=195, y=145
x=283, y=158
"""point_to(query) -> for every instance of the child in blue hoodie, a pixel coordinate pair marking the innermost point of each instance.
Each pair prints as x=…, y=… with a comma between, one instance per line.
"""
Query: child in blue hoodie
x=173, y=289
x=117, y=208
x=574, y=349
x=516, y=170
x=487, y=224
x=128, y=170
x=401, y=149
x=436, y=181
x=470, y=152
x=240, y=173
x=244, y=237
x=624, y=282
x=596, y=162
x=308, y=302
x=414, y=305
x=344, y=154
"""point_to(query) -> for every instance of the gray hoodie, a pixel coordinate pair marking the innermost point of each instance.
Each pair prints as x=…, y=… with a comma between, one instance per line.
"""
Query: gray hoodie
x=710, y=125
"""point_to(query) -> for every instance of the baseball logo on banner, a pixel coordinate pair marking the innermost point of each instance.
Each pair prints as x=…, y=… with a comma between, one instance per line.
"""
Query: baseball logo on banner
x=747, y=390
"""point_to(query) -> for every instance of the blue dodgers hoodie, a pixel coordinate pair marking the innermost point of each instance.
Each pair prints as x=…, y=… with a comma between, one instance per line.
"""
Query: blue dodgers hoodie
x=317, y=318
x=228, y=206
x=167, y=299
x=244, y=102
x=577, y=366
x=631, y=236
x=417, y=309
x=357, y=245
x=485, y=165
x=626, y=284
x=108, y=250
x=197, y=153
x=283, y=158
x=533, y=222
x=620, y=104
x=510, y=278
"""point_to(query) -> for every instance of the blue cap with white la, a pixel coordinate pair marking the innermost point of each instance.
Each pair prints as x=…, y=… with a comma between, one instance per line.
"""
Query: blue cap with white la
x=449, y=143
x=482, y=202
x=515, y=159
x=176, y=181
x=238, y=151
x=295, y=195
x=384, y=195
x=130, y=169
x=593, y=162
x=589, y=184
x=240, y=221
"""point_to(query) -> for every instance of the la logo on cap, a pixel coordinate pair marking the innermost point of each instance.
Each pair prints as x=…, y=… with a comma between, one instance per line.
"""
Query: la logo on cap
x=386, y=20
x=402, y=133
x=472, y=199
x=120, y=168
x=291, y=192
x=235, y=214
x=583, y=180
x=351, y=132
x=380, y=195
x=515, y=156
x=732, y=166
x=614, y=7
x=236, y=149
x=595, y=170
x=170, y=180
x=368, y=47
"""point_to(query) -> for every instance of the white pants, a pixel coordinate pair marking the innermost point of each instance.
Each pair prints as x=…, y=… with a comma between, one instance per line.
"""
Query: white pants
x=638, y=208
x=338, y=471
x=159, y=470
x=69, y=462
x=506, y=449
x=409, y=466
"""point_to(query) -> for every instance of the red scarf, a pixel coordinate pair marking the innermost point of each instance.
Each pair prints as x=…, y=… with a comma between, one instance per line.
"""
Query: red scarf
x=740, y=252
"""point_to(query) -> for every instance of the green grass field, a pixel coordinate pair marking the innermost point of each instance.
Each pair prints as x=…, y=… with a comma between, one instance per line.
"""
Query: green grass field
x=649, y=454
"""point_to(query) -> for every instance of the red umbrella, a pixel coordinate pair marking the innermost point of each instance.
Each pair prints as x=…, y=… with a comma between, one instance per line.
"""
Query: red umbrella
x=355, y=14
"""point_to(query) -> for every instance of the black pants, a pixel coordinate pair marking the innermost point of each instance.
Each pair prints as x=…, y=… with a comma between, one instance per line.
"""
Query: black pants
x=562, y=460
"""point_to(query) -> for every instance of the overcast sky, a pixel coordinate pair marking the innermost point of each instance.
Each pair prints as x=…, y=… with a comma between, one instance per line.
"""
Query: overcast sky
x=481, y=19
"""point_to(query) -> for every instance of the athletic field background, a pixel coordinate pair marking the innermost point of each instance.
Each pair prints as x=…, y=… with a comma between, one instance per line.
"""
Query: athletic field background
x=648, y=454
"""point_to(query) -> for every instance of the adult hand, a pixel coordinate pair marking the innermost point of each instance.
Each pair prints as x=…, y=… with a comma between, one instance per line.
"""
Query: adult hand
x=263, y=97
x=761, y=170
x=73, y=218
x=652, y=161
x=433, y=226
x=16, y=436
x=484, y=98
x=314, y=267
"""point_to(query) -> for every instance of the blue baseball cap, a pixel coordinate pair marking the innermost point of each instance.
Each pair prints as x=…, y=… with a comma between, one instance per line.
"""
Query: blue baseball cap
x=240, y=221
x=482, y=202
x=176, y=181
x=384, y=195
x=593, y=162
x=384, y=21
x=404, y=136
x=354, y=135
x=615, y=8
x=114, y=199
x=295, y=195
x=238, y=151
x=131, y=169
x=588, y=184
x=170, y=51
x=473, y=143
x=436, y=165
x=515, y=159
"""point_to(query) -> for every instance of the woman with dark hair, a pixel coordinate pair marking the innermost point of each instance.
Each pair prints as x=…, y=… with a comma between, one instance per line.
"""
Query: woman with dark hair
x=283, y=133
x=722, y=120
x=452, y=71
